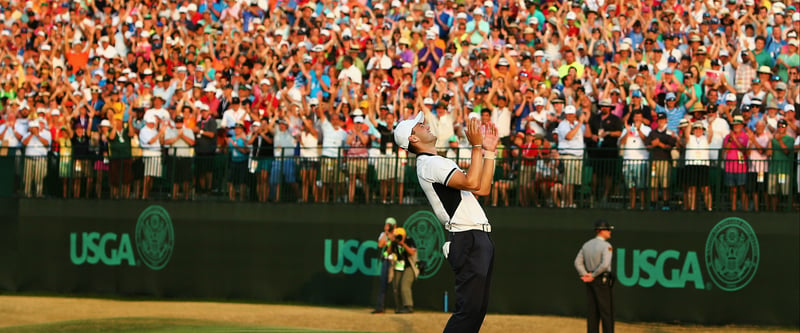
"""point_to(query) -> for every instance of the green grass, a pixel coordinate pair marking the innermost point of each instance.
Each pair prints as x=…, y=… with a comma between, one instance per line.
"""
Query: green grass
x=157, y=325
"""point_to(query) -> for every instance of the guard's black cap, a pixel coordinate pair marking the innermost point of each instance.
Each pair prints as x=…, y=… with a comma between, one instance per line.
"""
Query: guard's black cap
x=602, y=225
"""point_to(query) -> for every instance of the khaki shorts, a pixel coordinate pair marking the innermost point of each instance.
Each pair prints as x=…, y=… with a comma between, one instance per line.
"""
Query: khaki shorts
x=388, y=167
x=778, y=183
x=357, y=165
x=659, y=174
x=330, y=172
x=573, y=169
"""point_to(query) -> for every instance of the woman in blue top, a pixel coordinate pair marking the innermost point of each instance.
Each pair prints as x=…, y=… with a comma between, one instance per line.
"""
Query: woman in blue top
x=238, y=173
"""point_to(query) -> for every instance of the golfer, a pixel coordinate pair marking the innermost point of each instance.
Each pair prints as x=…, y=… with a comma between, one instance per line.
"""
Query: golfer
x=451, y=193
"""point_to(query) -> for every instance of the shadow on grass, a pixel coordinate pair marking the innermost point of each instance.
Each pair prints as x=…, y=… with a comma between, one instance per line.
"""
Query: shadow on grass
x=150, y=324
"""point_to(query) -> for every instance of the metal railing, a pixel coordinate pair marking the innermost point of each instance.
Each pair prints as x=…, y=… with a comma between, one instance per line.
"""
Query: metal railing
x=590, y=181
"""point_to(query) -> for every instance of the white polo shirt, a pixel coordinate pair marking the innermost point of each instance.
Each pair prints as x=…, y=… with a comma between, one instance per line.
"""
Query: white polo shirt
x=458, y=210
x=634, y=148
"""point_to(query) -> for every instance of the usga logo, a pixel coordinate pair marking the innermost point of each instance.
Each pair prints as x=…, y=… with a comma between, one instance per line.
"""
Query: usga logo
x=154, y=239
x=352, y=255
x=731, y=259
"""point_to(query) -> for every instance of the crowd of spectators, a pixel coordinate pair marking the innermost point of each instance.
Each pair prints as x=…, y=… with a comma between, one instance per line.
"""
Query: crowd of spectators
x=596, y=98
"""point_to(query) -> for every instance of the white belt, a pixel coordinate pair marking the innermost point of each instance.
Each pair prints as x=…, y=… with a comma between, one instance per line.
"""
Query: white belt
x=460, y=227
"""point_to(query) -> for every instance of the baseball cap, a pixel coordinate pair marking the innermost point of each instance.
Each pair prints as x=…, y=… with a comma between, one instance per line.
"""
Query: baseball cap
x=358, y=120
x=697, y=124
x=403, y=130
x=788, y=108
x=670, y=96
x=179, y=119
x=782, y=123
x=390, y=220
x=662, y=115
x=602, y=225
x=569, y=109
x=683, y=123
x=730, y=98
x=738, y=120
x=105, y=123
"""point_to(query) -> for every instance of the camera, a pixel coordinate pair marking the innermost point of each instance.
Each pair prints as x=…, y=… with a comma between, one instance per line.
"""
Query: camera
x=398, y=238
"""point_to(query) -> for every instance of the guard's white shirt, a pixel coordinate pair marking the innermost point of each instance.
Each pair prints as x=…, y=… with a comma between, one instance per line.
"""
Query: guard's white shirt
x=332, y=139
x=570, y=147
x=634, y=148
x=179, y=148
x=35, y=146
x=149, y=149
x=231, y=117
x=458, y=210
x=697, y=150
x=502, y=119
x=10, y=138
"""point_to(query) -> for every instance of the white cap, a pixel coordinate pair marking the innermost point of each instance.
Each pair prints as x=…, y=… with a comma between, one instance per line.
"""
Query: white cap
x=788, y=107
x=571, y=16
x=730, y=98
x=538, y=101
x=45, y=47
x=192, y=7
x=477, y=11
x=429, y=14
x=427, y=101
x=105, y=123
x=403, y=130
x=538, y=53
x=150, y=118
x=461, y=16
x=358, y=120
x=724, y=53
x=34, y=124
x=55, y=112
x=256, y=123
x=796, y=16
x=488, y=3
x=569, y=109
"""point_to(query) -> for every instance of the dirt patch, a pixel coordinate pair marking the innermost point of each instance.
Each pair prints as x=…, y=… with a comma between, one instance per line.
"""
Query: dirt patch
x=23, y=310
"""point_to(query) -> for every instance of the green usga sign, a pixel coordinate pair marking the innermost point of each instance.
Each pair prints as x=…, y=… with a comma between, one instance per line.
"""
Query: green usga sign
x=352, y=255
x=154, y=237
x=731, y=259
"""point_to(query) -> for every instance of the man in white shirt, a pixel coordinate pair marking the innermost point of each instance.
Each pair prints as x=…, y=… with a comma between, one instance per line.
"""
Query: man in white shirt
x=635, y=155
x=234, y=115
x=180, y=141
x=333, y=138
x=150, y=139
x=158, y=111
x=349, y=71
x=37, y=144
x=570, y=132
x=452, y=194
x=10, y=132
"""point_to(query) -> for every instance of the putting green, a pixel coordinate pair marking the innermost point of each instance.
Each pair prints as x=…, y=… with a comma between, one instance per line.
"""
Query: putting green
x=149, y=324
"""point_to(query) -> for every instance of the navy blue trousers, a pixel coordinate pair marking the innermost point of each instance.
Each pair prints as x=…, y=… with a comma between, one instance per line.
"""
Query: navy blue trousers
x=471, y=257
x=383, y=284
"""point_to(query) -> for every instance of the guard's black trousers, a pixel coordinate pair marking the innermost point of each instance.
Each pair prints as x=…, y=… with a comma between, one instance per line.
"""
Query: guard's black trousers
x=601, y=306
x=472, y=257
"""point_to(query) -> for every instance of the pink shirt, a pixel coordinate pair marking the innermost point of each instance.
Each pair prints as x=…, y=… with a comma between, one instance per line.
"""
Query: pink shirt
x=735, y=159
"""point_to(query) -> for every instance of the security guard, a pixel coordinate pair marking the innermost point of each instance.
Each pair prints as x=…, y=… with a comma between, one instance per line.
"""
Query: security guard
x=594, y=267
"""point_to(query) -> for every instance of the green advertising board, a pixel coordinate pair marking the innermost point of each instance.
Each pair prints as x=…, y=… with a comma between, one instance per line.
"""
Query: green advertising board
x=711, y=268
